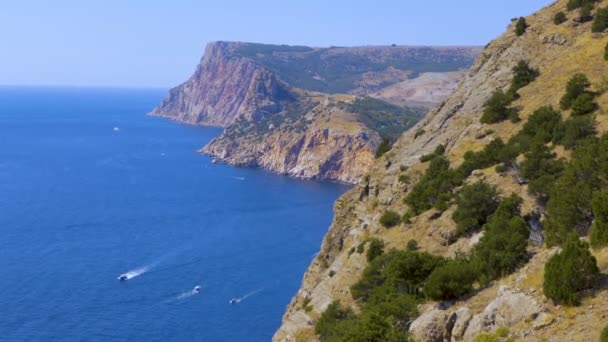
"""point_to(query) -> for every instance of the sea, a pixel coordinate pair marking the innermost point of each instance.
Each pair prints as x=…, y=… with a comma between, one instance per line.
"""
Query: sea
x=91, y=188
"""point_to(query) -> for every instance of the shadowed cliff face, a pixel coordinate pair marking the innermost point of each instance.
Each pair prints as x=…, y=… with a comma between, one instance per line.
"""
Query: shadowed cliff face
x=267, y=98
x=558, y=52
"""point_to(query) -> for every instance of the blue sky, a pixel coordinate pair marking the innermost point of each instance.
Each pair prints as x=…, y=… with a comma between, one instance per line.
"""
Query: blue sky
x=158, y=43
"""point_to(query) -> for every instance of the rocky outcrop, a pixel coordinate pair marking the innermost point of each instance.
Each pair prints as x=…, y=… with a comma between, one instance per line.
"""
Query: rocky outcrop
x=267, y=97
x=558, y=51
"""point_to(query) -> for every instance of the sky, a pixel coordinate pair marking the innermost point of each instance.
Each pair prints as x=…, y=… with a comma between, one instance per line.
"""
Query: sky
x=150, y=43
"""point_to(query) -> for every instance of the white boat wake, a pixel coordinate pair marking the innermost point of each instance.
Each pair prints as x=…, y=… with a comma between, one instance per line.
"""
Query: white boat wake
x=239, y=178
x=238, y=300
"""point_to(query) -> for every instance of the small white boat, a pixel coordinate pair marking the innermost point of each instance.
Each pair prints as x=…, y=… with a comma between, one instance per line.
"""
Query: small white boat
x=123, y=277
x=196, y=289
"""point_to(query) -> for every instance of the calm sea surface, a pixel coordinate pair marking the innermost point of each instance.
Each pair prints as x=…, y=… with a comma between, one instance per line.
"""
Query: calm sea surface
x=91, y=188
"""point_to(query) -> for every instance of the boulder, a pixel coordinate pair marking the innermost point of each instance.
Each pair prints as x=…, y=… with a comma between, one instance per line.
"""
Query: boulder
x=430, y=326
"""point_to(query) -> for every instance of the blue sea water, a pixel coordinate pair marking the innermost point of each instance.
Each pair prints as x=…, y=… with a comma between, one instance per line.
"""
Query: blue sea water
x=92, y=188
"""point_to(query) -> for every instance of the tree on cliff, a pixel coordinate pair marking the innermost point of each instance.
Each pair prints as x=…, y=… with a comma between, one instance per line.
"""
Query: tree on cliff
x=599, y=230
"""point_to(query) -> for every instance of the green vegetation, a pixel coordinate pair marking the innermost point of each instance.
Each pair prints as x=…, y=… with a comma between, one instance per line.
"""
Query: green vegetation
x=434, y=188
x=476, y=202
x=583, y=104
x=585, y=12
x=331, y=70
x=574, y=130
x=439, y=150
x=569, y=272
x=576, y=87
x=376, y=248
x=574, y=4
x=387, y=119
x=521, y=26
x=497, y=109
x=599, y=229
x=604, y=334
x=412, y=245
x=390, y=219
x=600, y=23
x=451, y=280
x=606, y=52
x=559, y=18
x=385, y=146
x=570, y=205
x=333, y=321
x=523, y=75
x=541, y=169
x=361, y=248
x=419, y=133
x=501, y=334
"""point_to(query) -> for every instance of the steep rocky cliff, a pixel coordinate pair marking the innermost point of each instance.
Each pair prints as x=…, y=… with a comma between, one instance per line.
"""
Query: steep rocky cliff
x=268, y=98
x=516, y=301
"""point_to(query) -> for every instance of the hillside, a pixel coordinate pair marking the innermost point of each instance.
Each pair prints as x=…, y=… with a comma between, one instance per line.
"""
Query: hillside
x=425, y=175
x=298, y=110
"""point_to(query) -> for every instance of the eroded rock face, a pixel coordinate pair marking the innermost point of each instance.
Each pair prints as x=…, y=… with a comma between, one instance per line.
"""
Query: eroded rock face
x=267, y=97
x=430, y=326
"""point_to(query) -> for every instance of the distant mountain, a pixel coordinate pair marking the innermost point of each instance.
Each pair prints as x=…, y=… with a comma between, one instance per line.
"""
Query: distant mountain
x=306, y=111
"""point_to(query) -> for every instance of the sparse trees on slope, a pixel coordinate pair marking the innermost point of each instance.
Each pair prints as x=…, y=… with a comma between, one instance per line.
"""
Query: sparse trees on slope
x=476, y=202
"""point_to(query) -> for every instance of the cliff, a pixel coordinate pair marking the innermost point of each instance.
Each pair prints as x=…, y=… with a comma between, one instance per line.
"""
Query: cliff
x=282, y=108
x=516, y=301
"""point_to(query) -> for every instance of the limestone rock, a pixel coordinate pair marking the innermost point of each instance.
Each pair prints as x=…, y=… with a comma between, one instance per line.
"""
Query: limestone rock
x=430, y=326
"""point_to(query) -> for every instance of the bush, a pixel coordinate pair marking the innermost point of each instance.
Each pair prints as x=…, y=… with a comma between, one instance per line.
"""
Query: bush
x=403, y=271
x=523, y=75
x=542, y=124
x=407, y=217
x=574, y=130
x=376, y=248
x=434, y=188
x=600, y=23
x=384, y=147
x=559, y=18
x=583, y=104
x=451, y=281
x=412, y=245
x=604, y=335
x=496, y=108
x=576, y=86
x=574, y=4
x=476, y=202
x=503, y=247
x=572, y=270
x=599, y=229
x=331, y=323
x=361, y=248
x=374, y=326
x=606, y=52
x=390, y=219
x=541, y=169
x=521, y=26
x=585, y=12
x=439, y=150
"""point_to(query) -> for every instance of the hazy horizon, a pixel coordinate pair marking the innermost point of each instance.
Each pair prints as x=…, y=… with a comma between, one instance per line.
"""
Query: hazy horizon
x=155, y=45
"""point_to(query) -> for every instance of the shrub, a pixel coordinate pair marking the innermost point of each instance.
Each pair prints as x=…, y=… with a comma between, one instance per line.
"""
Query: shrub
x=496, y=108
x=585, y=12
x=384, y=147
x=419, y=132
x=476, y=202
x=404, y=271
x=521, y=26
x=583, y=104
x=574, y=130
x=606, y=52
x=523, y=75
x=376, y=248
x=604, y=334
x=374, y=326
x=572, y=270
x=574, y=4
x=559, y=18
x=600, y=23
x=407, y=217
x=451, y=280
x=599, y=229
x=541, y=124
x=390, y=219
x=331, y=323
x=502, y=249
x=439, y=150
x=412, y=245
x=434, y=187
x=361, y=248
x=576, y=86
x=541, y=169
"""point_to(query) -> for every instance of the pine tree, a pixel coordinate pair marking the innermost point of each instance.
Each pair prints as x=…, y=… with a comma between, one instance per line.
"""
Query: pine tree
x=599, y=230
x=576, y=86
x=521, y=26
x=496, y=108
x=476, y=202
x=572, y=270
